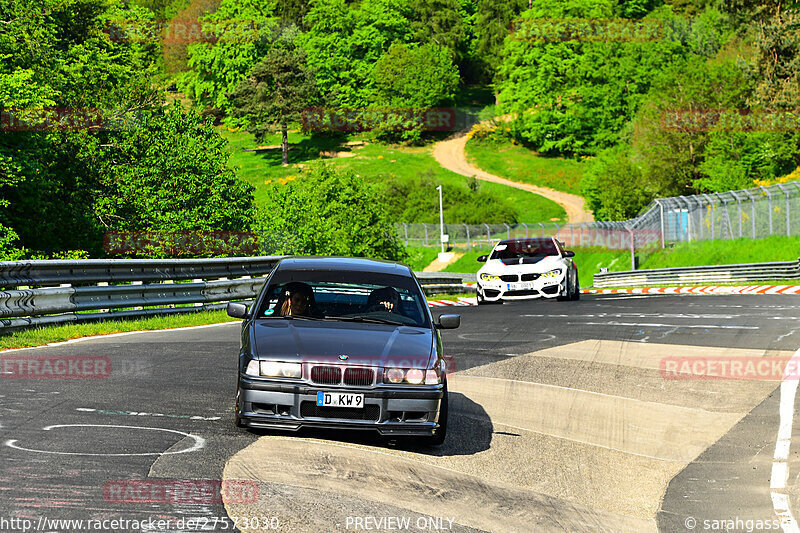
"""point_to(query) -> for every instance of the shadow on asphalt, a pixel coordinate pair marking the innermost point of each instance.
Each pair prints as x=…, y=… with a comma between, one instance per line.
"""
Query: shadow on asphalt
x=469, y=431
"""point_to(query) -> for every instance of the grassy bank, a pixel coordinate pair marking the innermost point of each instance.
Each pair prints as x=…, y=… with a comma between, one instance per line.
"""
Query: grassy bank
x=375, y=162
x=723, y=252
x=50, y=334
x=518, y=163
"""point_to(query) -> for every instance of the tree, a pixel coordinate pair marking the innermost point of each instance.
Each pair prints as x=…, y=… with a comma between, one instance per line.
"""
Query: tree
x=274, y=93
x=494, y=20
x=328, y=212
x=443, y=23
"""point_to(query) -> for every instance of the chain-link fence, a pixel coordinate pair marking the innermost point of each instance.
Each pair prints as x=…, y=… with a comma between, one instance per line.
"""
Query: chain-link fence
x=751, y=214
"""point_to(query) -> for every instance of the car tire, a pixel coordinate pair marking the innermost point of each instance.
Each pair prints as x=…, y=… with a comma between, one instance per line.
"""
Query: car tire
x=576, y=293
x=237, y=414
x=440, y=433
x=568, y=296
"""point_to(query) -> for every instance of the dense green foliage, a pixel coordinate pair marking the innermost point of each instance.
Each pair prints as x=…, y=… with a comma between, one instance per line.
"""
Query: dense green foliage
x=328, y=212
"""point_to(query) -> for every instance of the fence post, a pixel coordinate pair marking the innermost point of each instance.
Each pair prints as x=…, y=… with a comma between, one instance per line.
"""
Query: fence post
x=425, y=226
x=508, y=230
x=526, y=229
x=788, y=220
x=488, y=238
x=469, y=243
x=710, y=201
x=542, y=225
x=661, y=216
x=752, y=210
x=633, y=250
x=769, y=199
x=557, y=229
x=738, y=211
x=405, y=227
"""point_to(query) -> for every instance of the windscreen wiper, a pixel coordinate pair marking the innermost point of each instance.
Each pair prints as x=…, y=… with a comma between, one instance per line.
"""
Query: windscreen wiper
x=369, y=319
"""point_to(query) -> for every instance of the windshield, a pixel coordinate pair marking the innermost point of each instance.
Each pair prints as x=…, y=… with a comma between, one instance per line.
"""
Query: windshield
x=346, y=296
x=531, y=248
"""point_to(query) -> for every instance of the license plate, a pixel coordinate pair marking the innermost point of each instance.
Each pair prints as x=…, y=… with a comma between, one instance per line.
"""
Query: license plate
x=524, y=286
x=339, y=399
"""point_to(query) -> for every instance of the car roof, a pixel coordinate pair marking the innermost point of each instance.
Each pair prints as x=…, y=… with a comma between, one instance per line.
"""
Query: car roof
x=344, y=264
x=529, y=239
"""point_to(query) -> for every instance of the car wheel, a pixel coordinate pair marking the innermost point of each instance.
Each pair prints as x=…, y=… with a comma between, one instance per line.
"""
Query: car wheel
x=576, y=293
x=237, y=414
x=480, y=299
x=440, y=433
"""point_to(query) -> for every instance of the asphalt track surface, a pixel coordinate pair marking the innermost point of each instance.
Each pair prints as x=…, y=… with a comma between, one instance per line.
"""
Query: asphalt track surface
x=561, y=420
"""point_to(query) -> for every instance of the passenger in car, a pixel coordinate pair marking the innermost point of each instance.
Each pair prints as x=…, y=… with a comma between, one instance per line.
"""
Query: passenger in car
x=385, y=299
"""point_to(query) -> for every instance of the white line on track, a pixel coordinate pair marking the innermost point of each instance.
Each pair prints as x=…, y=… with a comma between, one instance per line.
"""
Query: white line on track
x=121, y=334
x=780, y=467
x=648, y=325
x=199, y=442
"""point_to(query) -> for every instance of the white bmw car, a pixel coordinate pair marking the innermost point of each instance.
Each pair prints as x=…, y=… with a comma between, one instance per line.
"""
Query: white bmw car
x=520, y=269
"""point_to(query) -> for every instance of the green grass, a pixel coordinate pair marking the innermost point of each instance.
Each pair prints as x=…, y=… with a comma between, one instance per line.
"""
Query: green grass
x=518, y=163
x=46, y=335
x=373, y=162
x=420, y=257
x=723, y=252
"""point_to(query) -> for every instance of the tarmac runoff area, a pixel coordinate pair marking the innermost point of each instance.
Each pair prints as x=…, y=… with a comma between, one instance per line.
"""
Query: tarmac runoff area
x=580, y=437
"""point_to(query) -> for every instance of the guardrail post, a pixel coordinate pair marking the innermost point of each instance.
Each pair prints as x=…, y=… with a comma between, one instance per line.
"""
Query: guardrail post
x=769, y=199
x=469, y=243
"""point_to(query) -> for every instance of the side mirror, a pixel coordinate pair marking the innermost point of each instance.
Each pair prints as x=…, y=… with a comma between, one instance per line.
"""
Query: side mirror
x=448, y=321
x=483, y=258
x=569, y=253
x=237, y=310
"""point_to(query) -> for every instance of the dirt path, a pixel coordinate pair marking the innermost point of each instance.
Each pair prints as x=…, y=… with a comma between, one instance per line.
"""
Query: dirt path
x=450, y=154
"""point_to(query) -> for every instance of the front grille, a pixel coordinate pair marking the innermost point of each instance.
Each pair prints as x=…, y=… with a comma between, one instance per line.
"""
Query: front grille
x=530, y=277
x=358, y=377
x=326, y=375
x=521, y=293
x=510, y=278
x=312, y=410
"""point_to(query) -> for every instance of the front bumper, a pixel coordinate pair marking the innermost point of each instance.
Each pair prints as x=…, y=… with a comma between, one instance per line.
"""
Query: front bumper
x=392, y=411
x=493, y=291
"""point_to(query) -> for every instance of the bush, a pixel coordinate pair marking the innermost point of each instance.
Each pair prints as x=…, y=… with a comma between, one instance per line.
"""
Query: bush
x=327, y=212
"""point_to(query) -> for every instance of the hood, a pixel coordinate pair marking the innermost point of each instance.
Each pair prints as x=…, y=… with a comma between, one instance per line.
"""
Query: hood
x=496, y=266
x=364, y=344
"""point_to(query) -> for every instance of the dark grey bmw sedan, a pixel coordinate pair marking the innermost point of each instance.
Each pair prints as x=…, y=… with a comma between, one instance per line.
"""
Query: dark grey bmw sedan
x=343, y=343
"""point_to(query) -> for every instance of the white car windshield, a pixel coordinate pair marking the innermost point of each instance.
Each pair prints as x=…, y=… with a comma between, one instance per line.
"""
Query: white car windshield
x=528, y=248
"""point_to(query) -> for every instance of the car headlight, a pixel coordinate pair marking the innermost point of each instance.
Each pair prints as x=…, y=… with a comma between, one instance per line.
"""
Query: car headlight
x=552, y=274
x=412, y=376
x=274, y=369
x=489, y=277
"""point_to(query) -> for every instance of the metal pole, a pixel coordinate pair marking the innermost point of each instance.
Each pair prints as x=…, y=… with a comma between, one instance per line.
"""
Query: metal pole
x=769, y=199
x=405, y=227
x=425, y=226
x=711, y=221
x=526, y=229
x=788, y=219
x=739, y=211
x=633, y=250
x=469, y=244
x=542, y=225
x=488, y=238
x=441, y=218
x=661, y=216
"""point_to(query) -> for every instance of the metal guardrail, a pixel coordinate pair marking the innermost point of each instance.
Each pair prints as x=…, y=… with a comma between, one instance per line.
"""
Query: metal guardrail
x=752, y=272
x=55, y=292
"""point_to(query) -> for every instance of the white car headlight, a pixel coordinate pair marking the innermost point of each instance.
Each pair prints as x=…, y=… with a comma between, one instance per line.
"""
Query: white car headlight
x=552, y=274
x=489, y=277
x=274, y=369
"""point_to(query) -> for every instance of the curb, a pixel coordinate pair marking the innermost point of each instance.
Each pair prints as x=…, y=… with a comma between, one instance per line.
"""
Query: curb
x=461, y=302
x=710, y=289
